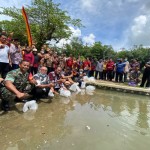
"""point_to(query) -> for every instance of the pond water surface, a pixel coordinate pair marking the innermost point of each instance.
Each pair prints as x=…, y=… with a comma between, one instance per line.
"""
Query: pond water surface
x=106, y=120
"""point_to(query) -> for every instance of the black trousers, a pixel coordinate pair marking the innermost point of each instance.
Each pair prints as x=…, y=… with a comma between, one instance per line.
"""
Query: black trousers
x=91, y=73
x=104, y=74
x=34, y=70
x=4, y=69
x=100, y=74
x=39, y=92
x=146, y=78
x=119, y=76
x=110, y=75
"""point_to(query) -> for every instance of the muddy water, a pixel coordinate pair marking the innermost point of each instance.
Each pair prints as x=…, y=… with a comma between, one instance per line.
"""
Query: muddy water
x=106, y=120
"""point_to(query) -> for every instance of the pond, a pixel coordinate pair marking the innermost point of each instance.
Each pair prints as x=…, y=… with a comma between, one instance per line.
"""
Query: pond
x=107, y=120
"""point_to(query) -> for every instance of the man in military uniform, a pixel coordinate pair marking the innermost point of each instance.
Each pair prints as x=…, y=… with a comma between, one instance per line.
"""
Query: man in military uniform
x=16, y=85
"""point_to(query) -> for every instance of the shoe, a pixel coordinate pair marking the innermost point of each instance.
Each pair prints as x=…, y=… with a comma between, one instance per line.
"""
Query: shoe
x=5, y=106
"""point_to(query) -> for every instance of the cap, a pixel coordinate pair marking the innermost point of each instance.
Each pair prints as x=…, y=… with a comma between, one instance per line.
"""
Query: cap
x=34, y=50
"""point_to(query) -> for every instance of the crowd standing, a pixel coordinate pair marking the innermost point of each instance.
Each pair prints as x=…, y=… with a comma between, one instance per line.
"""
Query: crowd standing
x=28, y=73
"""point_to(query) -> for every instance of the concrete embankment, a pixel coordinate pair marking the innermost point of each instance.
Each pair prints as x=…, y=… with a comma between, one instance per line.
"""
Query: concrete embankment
x=120, y=87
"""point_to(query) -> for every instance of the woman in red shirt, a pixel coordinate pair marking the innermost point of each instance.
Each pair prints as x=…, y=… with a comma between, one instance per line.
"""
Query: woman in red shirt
x=87, y=66
x=110, y=69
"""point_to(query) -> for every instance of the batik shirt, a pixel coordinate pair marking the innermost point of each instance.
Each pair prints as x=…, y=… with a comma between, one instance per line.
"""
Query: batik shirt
x=42, y=79
x=15, y=56
x=54, y=78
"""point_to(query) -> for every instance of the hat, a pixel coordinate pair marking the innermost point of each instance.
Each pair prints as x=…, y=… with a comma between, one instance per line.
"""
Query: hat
x=119, y=59
x=34, y=50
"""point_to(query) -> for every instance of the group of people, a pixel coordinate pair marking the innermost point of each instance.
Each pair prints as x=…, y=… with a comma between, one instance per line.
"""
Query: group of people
x=27, y=73
x=121, y=71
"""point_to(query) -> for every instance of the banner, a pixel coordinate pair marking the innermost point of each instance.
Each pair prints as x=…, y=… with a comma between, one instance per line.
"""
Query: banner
x=27, y=27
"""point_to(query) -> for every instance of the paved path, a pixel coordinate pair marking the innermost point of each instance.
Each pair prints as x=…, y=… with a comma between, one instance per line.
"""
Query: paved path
x=120, y=87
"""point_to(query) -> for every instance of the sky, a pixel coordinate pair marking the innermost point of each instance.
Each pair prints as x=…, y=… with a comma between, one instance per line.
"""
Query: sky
x=120, y=23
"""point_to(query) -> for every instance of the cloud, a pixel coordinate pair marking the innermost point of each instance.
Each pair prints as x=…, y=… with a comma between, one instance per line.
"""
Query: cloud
x=89, y=40
x=139, y=31
x=11, y=3
x=139, y=24
x=120, y=23
x=62, y=42
x=75, y=32
x=16, y=3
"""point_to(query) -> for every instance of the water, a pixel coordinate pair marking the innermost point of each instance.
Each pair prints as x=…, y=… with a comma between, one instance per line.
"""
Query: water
x=106, y=120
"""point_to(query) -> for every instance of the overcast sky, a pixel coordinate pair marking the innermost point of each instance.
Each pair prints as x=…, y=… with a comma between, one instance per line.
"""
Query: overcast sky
x=120, y=23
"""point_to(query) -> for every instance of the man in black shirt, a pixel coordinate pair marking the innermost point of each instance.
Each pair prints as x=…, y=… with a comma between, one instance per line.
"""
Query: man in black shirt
x=146, y=75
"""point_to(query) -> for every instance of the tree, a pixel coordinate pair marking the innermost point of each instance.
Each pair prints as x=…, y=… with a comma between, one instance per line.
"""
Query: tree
x=46, y=19
x=97, y=50
x=108, y=52
x=75, y=47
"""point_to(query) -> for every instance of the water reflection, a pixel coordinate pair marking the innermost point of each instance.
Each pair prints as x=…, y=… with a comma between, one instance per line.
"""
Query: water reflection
x=122, y=105
x=107, y=120
x=142, y=118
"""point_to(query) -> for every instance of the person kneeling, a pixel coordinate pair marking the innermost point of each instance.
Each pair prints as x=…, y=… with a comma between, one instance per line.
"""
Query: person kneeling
x=43, y=87
x=134, y=77
x=15, y=85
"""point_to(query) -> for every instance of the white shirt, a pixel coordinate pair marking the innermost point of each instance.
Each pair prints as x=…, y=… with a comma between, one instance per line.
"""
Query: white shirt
x=99, y=66
x=4, y=54
x=127, y=66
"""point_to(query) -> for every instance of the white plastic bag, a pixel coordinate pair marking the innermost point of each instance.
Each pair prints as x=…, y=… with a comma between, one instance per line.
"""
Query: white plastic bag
x=90, y=88
x=74, y=87
x=38, y=82
x=50, y=93
x=85, y=78
x=65, y=93
x=83, y=85
x=30, y=105
x=78, y=89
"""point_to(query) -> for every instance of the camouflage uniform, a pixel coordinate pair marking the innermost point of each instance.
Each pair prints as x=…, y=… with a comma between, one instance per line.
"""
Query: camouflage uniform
x=19, y=80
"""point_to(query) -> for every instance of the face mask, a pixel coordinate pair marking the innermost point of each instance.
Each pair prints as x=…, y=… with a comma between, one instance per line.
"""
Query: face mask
x=42, y=75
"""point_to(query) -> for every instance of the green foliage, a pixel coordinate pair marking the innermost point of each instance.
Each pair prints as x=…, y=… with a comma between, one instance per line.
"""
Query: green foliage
x=75, y=48
x=46, y=19
x=99, y=51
